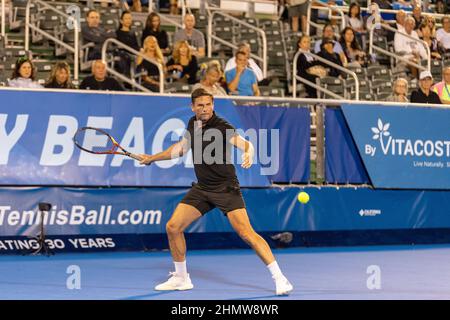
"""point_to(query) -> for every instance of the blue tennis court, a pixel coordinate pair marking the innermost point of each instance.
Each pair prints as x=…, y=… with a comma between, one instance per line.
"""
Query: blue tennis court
x=406, y=272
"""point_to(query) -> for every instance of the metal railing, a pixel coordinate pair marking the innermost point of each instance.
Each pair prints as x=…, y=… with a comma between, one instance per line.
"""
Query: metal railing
x=322, y=6
x=28, y=25
x=295, y=77
x=3, y=27
x=396, y=56
x=137, y=53
x=211, y=37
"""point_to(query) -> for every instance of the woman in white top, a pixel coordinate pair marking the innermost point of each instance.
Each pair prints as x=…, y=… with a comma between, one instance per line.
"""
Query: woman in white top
x=23, y=75
x=355, y=21
x=211, y=80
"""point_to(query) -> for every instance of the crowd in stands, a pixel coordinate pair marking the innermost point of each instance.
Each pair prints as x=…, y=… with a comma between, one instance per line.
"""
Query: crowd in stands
x=179, y=63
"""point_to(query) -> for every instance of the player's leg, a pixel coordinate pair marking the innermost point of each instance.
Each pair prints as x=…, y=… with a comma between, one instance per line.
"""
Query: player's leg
x=241, y=224
x=183, y=216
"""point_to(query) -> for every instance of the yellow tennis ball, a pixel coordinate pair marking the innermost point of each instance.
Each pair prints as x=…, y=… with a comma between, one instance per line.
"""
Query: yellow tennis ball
x=303, y=197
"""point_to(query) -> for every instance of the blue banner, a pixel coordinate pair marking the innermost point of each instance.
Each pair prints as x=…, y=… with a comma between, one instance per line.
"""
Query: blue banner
x=404, y=148
x=36, y=145
x=342, y=161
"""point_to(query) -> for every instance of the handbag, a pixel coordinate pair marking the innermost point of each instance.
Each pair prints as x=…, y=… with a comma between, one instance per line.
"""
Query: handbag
x=318, y=71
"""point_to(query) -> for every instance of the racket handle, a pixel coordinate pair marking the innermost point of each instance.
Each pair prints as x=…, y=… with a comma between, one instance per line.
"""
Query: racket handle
x=134, y=156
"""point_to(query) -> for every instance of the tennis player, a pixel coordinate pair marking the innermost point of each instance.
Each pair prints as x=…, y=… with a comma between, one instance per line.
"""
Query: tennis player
x=217, y=186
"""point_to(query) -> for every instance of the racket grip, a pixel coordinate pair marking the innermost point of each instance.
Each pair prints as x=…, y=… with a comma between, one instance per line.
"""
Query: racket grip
x=134, y=156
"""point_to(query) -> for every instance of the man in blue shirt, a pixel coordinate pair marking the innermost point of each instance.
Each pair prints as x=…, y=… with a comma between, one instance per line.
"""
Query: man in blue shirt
x=242, y=80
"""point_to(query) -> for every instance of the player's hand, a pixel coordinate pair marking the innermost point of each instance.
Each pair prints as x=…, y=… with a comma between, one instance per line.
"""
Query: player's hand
x=247, y=160
x=145, y=159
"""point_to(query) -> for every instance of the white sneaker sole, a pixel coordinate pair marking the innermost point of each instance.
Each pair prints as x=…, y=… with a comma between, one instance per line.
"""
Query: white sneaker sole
x=285, y=292
x=182, y=288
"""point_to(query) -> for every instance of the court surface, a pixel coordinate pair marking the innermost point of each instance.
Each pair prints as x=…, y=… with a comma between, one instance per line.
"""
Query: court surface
x=407, y=272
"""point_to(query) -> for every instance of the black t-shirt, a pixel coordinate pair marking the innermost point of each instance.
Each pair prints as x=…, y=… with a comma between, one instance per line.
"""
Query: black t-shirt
x=109, y=83
x=418, y=96
x=128, y=38
x=191, y=69
x=161, y=36
x=212, y=164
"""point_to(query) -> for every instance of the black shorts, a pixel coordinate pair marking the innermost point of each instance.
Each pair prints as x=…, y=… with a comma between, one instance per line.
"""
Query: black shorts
x=205, y=201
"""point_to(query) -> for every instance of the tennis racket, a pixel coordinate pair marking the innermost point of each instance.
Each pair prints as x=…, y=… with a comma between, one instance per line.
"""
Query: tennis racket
x=84, y=137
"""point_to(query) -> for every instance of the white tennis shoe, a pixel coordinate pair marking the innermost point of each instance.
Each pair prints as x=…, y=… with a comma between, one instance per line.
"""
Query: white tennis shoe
x=283, y=286
x=175, y=282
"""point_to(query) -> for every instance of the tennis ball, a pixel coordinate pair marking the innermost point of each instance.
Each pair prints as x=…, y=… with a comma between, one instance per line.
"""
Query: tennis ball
x=303, y=197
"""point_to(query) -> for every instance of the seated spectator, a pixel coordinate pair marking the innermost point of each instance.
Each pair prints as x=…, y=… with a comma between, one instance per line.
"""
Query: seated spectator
x=242, y=80
x=153, y=28
x=353, y=52
x=124, y=33
x=400, y=19
x=443, y=88
x=194, y=37
x=409, y=48
x=431, y=22
x=23, y=75
x=417, y=16
x=307, y=67
x=245, y=47
x=99, y=79
x=441, y=7
x=60, y=77
x=399, y=91
x=127, y=37
x=93, y=32
x=183, y=65
x=328, y=32
x=424, y=94
x=152, y=51
x=327, y=52
x=211, y=79
x=432, y=42
x=355, y=21
x=443, y=34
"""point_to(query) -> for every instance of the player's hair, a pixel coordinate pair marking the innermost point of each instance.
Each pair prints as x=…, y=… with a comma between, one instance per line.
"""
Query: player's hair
x=200, y=92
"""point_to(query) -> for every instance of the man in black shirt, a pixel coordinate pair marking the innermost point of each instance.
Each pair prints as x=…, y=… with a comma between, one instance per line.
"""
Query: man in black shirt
x=211, y=138
x=99, y=80
x=424, y=94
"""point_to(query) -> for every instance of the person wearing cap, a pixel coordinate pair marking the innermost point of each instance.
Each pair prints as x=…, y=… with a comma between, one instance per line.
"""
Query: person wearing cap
x=424, y=94
x=443, y=88
x=327, y=52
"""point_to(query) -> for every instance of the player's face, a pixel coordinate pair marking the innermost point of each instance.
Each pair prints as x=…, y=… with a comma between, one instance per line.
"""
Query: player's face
x=203, y=108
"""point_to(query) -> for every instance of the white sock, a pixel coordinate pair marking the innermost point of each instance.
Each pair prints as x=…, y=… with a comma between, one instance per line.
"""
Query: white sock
x=180, y=268
x=275, y=270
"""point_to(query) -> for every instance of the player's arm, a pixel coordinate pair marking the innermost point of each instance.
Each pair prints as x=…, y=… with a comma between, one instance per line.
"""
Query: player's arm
x=174, y=151
x=247, y=149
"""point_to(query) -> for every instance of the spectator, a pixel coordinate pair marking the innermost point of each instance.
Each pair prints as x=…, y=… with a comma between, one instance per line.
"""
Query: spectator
x=211, y=79
x=417, y=16
x=441, y=7
x=353, y=52
x=424, y=94
x=60, y=77
x=328, y=32
x=183, y=65
x=193, y=36
x=93, y=32
x=152, y=51
x=409, y=48
x=327, y=52
x=153, y=28
x=23, y=75
x=431, y=22
x=400, y=19
x=245, y=47
x=307, y=67
x=354, y=20
x=443, y=88
x=399, y=91
x=242, y=80
x=297, y=10
x=432, y=42
x=99, y=79
x=443, y=34
x=124, y=33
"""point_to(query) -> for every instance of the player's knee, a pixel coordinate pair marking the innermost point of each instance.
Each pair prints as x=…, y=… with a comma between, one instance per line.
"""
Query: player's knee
x=173, y=227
